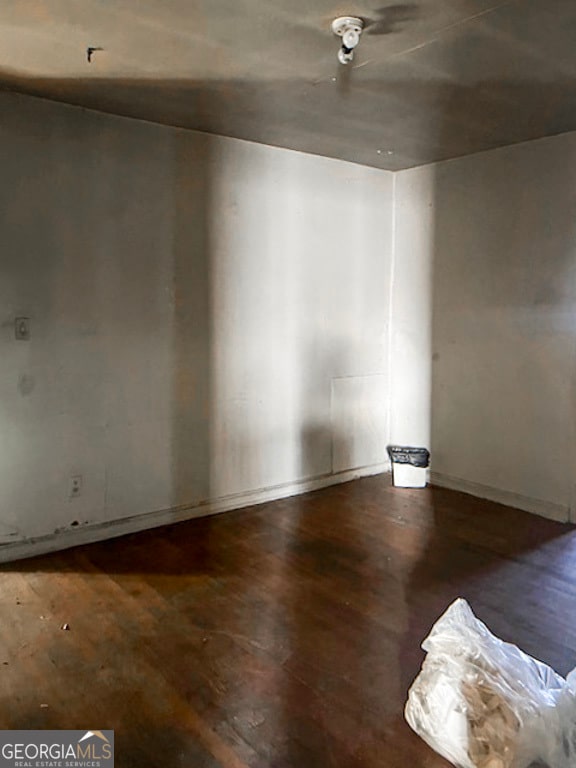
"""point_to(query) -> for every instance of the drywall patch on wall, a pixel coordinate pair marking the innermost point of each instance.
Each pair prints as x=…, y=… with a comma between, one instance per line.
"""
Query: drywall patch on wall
x=359, y=421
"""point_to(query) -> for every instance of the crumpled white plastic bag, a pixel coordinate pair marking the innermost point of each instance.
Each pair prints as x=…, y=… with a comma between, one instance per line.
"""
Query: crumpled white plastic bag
x=483, y=703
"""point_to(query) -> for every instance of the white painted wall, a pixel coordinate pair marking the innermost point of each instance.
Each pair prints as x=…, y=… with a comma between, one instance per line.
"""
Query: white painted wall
x=411, y=308
x=209, y=317
x=486, y=285
x=211, y=320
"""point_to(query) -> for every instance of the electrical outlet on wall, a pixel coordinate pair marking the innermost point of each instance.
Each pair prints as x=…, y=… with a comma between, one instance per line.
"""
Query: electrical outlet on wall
x=75, y=488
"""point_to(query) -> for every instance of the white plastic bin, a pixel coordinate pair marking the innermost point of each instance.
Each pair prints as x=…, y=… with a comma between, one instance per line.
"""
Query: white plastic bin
x=409, y=466
x=407, y=476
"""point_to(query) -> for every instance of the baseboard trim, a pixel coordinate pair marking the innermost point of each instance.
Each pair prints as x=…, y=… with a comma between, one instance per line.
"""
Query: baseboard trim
x=90, y=533
x=548, y=509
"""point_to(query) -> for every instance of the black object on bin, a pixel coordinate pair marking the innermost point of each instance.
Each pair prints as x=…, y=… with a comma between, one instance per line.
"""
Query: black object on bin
x=417, y=457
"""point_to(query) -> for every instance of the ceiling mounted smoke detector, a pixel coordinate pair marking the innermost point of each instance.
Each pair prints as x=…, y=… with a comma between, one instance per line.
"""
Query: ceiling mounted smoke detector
x=349, y=28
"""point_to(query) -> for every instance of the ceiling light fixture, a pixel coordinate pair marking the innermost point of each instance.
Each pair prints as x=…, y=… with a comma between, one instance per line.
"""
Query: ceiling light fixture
x=349, y=28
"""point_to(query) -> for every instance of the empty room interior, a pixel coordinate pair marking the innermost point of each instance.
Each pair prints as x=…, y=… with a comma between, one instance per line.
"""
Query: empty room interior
x=260, y=261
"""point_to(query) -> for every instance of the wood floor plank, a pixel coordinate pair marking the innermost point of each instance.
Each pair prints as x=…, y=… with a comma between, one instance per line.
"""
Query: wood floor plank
x=280, y=636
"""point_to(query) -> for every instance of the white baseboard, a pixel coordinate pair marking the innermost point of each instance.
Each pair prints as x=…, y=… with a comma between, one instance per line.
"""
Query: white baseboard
x=75, y=537
x=548, y=509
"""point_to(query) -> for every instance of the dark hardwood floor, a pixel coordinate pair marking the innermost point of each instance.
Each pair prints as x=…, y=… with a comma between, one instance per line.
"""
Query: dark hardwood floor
x=281, y=636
